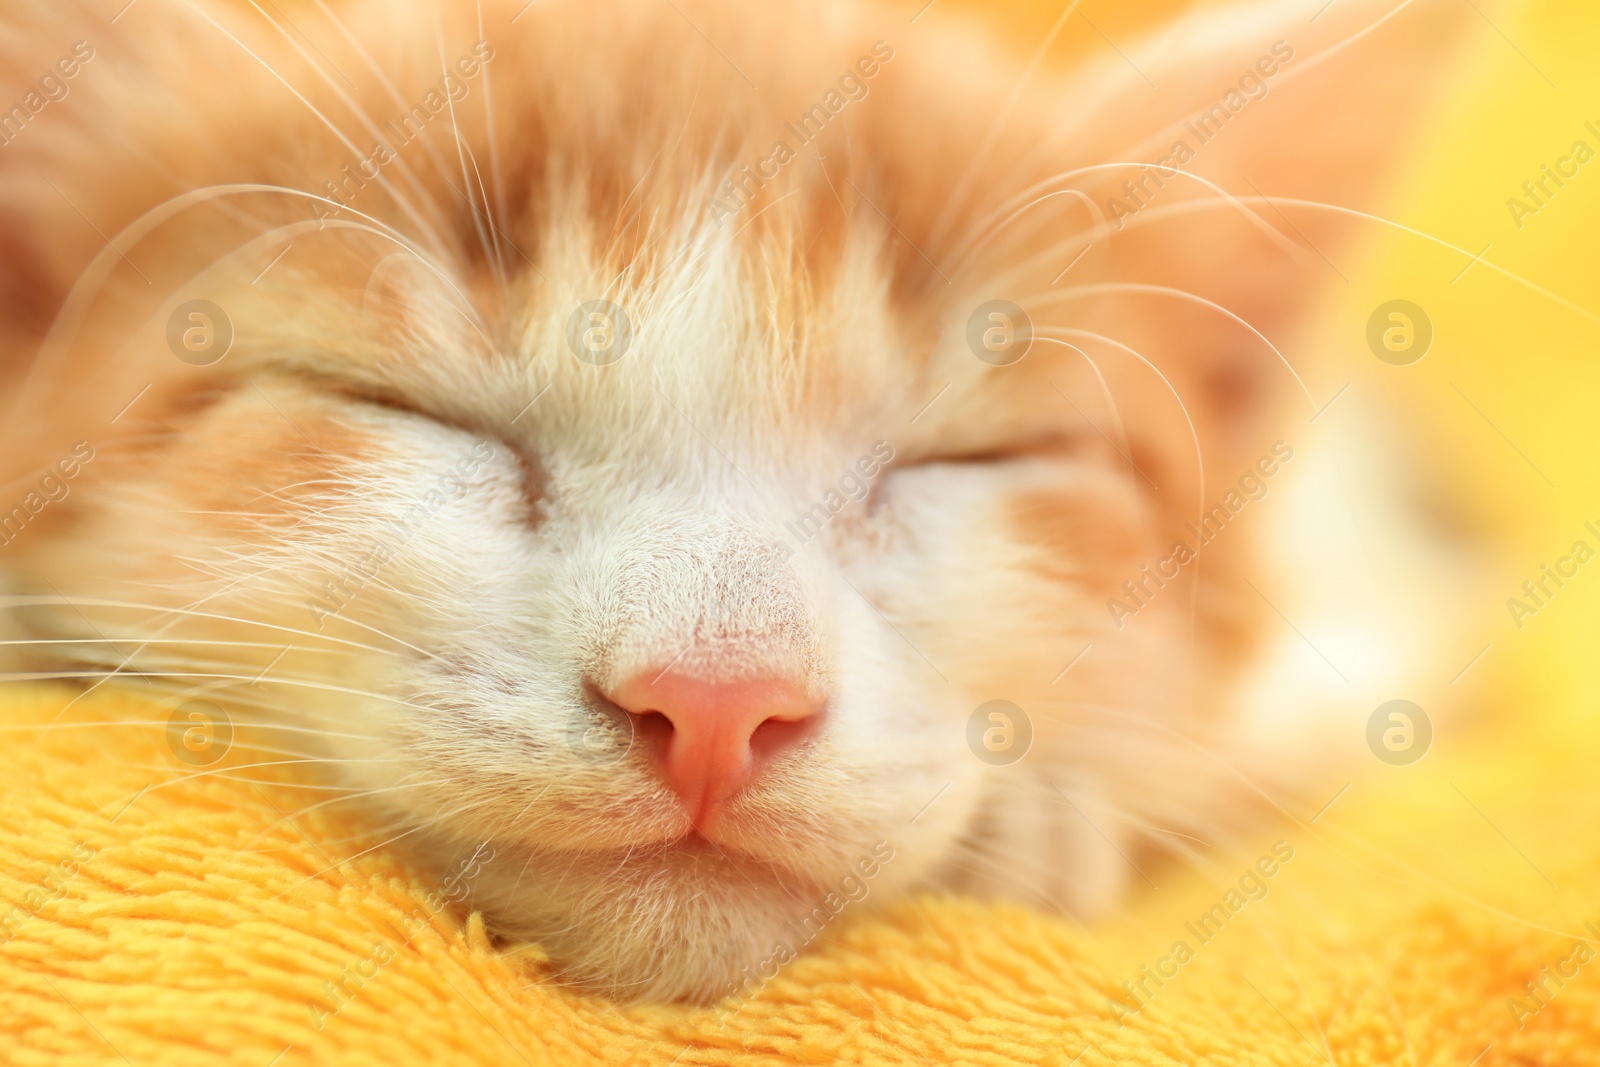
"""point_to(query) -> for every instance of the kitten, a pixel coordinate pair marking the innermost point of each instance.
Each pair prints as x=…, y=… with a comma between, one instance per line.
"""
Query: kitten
x=643, y=442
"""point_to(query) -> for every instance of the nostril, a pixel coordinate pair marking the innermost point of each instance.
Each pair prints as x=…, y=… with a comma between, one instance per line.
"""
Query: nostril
x=653, y=730
x=710, y=738
x=775, y=735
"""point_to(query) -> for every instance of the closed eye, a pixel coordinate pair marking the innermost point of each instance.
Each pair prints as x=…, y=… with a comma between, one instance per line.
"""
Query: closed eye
x=1047, y=446
x=533, y=476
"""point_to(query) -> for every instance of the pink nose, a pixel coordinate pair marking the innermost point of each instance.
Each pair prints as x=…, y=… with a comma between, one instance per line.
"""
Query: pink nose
x=712, y=737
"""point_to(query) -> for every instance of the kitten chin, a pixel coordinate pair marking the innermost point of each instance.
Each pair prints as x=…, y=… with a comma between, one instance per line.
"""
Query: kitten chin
x=713, y=501
x=686, y=920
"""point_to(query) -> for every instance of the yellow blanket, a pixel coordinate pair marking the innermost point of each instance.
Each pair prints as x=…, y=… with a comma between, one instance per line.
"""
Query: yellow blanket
x=161, y=915
x=1441, y=913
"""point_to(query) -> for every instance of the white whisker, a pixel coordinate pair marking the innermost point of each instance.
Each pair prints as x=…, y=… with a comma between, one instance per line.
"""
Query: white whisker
x=1045, y=334
x=1077, y=291
x=405, y=204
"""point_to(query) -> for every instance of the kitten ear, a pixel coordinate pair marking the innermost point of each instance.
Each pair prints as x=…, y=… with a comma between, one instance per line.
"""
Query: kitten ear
x=1301, y=123
x=1293, y=120
x=1165, y=201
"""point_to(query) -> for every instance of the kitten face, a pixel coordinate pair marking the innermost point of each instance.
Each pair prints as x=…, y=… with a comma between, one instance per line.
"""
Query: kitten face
x=493, y=576
x=537, y=406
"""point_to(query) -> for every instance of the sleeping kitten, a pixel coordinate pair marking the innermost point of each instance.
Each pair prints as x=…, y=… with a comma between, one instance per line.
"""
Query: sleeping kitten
x=727, y=460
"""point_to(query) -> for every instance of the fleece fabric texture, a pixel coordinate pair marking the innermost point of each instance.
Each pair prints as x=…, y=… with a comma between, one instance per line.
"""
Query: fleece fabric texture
x=159, y=913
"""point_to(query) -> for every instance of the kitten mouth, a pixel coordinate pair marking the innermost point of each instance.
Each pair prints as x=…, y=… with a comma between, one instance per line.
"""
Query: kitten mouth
x=695, y=842
x=717, y=837
x=694, y=846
